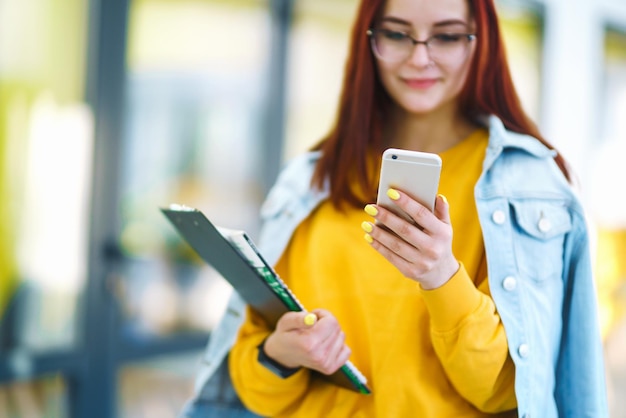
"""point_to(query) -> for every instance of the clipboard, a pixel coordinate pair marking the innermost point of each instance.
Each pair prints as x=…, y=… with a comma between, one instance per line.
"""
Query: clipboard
x=235, y=256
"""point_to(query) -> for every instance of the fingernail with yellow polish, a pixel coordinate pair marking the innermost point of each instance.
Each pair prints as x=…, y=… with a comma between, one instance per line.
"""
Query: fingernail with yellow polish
x=310, y=319
x=368, y=238
x=445, y=200
x=371, y=210
x=367, y=227
x=393, y=194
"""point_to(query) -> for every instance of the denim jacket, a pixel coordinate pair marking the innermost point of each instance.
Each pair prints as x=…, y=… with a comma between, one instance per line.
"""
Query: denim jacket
x=539, y=270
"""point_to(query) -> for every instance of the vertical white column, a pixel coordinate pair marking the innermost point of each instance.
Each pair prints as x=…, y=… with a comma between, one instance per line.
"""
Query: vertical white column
x=572, y=77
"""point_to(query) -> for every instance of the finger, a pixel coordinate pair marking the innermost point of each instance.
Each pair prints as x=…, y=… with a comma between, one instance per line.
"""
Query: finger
x=337, y=356
x=337, y=345
x=442, y=209
x=322, y=313
x=400, y=236
x=381, y=237
x=327, y=327
x=404, y=265
x=310, y=319
x=292, y=321
x=412, y=258
x=344, y=355
x=422, y=216
x=324, y=357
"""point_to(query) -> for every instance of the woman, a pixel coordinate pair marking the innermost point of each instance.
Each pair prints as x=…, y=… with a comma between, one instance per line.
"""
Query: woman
x=487, y=305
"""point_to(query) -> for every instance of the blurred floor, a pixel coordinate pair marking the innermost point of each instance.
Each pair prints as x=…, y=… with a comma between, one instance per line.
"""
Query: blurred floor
x=153, y=389
x=158, y=388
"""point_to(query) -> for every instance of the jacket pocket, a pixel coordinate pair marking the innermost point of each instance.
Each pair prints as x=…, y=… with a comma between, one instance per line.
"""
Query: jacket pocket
x=541, y=227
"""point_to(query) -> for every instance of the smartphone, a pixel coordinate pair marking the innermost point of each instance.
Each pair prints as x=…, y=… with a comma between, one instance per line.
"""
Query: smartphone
x=413, y=172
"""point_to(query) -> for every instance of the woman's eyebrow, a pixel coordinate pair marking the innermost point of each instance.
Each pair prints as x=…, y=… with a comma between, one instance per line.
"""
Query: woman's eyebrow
x=392, y=19
x=451, y=22
x=443, y=23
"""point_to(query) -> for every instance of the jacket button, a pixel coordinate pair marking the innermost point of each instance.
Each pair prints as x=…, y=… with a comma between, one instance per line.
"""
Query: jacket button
x=498, y=217
x=544, y=225
x=509, y=283
x=523, y=350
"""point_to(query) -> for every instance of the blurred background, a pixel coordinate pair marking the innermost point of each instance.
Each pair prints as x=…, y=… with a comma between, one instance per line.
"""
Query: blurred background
x=110, y=109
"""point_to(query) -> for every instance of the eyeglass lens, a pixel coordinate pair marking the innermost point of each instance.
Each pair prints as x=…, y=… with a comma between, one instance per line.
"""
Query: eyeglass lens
x=395, y=46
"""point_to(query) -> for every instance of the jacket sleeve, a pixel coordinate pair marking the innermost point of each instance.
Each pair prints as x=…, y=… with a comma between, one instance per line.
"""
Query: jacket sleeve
x=259, y=389
x=469, y=339
x=580, y=374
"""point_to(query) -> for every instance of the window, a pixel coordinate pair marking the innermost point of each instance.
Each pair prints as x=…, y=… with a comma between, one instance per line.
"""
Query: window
x=46, y=135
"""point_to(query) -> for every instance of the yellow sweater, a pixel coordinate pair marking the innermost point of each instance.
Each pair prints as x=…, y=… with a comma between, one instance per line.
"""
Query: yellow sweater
x=437, y=353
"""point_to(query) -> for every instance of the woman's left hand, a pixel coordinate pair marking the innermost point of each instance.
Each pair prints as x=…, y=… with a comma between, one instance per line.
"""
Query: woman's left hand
x=422, y=252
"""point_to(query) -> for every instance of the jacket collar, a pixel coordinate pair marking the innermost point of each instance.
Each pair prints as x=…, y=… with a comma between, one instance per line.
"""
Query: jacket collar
x=500, y=139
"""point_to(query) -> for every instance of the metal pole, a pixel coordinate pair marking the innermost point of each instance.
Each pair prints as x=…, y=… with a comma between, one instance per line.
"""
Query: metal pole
x=93, y=393
x=281, y=17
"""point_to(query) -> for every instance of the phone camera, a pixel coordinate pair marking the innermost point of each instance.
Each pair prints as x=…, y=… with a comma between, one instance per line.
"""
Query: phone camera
x=394, y=157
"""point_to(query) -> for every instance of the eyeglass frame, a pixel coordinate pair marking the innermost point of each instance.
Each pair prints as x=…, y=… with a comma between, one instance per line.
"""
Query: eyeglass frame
x=371, y=33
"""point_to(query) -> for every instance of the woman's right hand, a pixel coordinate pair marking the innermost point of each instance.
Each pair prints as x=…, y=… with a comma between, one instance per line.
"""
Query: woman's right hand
x=320, y=346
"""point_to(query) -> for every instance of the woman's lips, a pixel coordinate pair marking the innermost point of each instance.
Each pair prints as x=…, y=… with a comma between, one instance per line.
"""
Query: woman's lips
x=420, y=83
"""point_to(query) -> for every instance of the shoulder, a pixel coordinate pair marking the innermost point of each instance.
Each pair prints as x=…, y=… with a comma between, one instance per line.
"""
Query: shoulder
x=297, y=173
x=519, y=167
x=521, y=162
x=503, y=139
x=289, y=202
x=293, y=184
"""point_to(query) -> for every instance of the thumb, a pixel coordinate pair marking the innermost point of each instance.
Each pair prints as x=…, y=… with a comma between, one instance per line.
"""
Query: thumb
x=442, y=209
x=291, y=321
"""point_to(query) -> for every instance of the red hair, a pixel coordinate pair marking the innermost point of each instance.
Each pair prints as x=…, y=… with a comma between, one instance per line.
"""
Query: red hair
x=363, y=104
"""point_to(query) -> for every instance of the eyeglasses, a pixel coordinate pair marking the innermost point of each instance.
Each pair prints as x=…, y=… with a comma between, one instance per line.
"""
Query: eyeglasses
x=393, y=46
